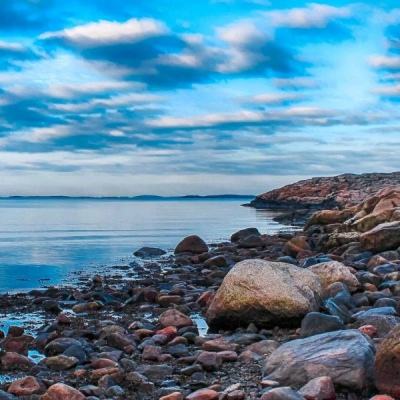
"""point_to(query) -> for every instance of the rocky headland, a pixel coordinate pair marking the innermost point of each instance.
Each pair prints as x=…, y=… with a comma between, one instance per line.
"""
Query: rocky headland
x=307, y=315
x=299, y=200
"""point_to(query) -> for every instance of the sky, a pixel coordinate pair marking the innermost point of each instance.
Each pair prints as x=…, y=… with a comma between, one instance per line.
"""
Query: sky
x=171, y=97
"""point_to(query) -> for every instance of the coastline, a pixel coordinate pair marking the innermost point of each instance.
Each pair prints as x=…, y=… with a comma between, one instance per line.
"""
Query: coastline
x=300, y=299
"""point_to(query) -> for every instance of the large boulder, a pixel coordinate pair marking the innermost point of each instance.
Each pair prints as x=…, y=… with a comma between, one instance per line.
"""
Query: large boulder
x=387, y=364
x=191, y=244
x=265, y=293
x=334, y=271
x=383, y=237
x=347, y=356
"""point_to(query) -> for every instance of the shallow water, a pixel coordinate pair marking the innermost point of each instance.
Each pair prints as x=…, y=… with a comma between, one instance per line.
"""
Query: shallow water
x=43, y=241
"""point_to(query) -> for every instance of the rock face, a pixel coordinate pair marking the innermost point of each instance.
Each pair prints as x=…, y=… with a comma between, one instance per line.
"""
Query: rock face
x=265, y=293
x=346, y=356
x=373, y=225
x=327, y=192
x=387, y=364
x=383, y=237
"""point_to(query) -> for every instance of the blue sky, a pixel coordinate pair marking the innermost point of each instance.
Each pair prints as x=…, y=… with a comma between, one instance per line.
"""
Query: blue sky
x=213, y=96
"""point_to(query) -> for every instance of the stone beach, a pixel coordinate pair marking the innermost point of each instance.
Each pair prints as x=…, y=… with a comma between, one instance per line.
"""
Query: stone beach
x=311, y=314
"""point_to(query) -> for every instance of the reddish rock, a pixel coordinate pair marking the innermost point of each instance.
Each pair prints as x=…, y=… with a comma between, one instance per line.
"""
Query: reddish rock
x=13, y=361
x=203, y=394
x=321, y=388
x=265, y=293
x=210, y=361
x=98, y=373
x=172, y=396
x=385, y=236
x=236, y=395
x=219, y=344
x=91, y=306
x=15, y=331
x=368, y=330
x=382, y=397
x=170, y=332
x=17, y=344
x=205, y=298
x=191, y=244
x=175, y=318
x=60, y=391
x=282, y=393
x=296, y=245
x=26, y=386
x=166, y=300
x=216, y=261
x=387, y=364
x=334, y=271
x=227, y=356
x=103, y=363
x=328, y=192
x=151, y=353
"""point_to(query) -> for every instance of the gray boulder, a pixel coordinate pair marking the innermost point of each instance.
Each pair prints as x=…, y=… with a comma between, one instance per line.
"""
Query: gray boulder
x=347, y=356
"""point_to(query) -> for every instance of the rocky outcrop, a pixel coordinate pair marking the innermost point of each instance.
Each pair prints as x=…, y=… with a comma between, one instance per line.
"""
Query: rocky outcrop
x=265, y=293
x=326, y=192
x=373, y=225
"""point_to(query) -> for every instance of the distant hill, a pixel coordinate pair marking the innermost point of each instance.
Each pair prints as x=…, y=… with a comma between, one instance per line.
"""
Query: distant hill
x=137, y=198
x=327, y=192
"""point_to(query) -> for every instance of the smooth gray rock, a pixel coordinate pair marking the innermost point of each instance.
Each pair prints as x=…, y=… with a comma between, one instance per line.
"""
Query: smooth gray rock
x=375, y=311
x=147, y=252
x=347, y=356
x=315, y=323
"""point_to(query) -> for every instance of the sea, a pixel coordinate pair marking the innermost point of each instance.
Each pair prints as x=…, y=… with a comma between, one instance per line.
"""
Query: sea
x=48, y=241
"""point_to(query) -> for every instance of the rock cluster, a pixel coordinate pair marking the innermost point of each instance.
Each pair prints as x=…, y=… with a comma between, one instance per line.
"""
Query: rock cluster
x=305, y=315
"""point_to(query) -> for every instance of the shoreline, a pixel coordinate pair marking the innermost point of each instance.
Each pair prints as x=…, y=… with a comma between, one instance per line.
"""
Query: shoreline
x=140, y=331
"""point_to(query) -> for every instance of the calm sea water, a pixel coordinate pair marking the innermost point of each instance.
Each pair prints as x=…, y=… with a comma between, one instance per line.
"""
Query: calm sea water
x=43, y=241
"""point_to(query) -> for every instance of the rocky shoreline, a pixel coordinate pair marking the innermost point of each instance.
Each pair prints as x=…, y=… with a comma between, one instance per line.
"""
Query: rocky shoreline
x=298, y=201
x=303, y=315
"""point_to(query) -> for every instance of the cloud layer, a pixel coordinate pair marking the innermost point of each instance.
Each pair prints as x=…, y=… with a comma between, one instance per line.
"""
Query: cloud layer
x=168, y=98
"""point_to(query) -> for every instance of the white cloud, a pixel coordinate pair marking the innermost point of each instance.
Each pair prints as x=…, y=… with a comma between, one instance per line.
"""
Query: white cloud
x=385, y=62
x=313, y=16
x=37, y=135
x=109, y=32
x=273, y=98
x=241, y=117
x=388, y=91
x=12, y=46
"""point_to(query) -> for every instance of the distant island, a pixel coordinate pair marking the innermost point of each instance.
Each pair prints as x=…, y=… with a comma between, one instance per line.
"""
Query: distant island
x=145, y=197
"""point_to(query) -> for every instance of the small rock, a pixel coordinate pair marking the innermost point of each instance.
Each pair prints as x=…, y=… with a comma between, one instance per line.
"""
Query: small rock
x=203, y=394
x=60, y=362
x=26, y=386
x=282, y=393
x=60, y=391
x=209, y=360
x=321, y=388
x=175, y=318
x=147, y=252
x=315, y=323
